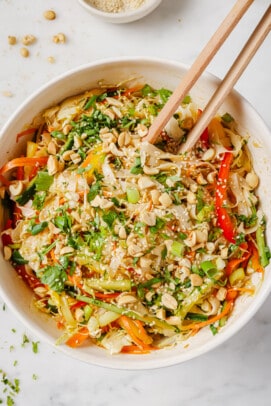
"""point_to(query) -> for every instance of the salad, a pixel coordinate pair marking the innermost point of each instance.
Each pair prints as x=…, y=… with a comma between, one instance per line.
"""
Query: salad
x=128, y=245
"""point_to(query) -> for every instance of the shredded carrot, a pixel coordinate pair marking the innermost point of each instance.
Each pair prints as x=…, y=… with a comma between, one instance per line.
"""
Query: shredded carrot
x=82, y=193
x=134, y=349
x=62, y=200
x=243, y=290
x=134, y=89
x=29, y=131
x=131, y=328
x=60, y=325
x=78, y=338
x=53, y=256
x=143, y=334
x=211, y=320
x=75, y=280
x=16, y=162
x=191, y=255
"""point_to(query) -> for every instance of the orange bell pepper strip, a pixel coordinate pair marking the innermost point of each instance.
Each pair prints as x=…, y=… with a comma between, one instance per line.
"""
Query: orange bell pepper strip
x=223, y=217
x=211, y=320
x=94, y=161
x=78, y=338
x=233, y=263
x=23, y=161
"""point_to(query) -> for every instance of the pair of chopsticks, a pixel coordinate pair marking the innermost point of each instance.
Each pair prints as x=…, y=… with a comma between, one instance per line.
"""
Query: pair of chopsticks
x=206, y=55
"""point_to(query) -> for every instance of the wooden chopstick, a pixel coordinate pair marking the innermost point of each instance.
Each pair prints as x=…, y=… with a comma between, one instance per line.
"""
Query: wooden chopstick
x=236, y=70
x=197, y=68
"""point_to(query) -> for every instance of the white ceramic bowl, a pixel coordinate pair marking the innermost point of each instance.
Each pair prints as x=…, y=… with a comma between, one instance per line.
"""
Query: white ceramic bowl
x=122, y=17
x=158, y=73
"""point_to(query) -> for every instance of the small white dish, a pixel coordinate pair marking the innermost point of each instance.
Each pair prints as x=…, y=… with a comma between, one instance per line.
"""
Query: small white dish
x=122, y=17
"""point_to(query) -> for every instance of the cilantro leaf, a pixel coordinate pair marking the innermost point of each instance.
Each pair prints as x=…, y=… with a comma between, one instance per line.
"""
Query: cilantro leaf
x=137, y=168
x=17, y=258
x=55, y=277
x=37, y=228
x=63, y=222
x=109, y=218
x=94, y=191
x=39, y=200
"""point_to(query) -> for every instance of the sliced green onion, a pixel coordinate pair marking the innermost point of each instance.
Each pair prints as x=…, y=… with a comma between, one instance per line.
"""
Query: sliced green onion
x=196, y=317
x=237, y=276
x=90, y=102
x=264, y=252
x=133, y=195
x=177, y=249
x=186, y=99
x=209, y=268
x=227, y=118
x=213, y=329
x=107, y=284
x=43, y=181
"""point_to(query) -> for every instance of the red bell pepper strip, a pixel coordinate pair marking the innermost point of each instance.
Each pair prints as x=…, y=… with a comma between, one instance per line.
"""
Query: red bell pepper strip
x=204, y=138
x=29, y=131
x=224, y=219
x=33, y=172
x=29, y=278
x=4, y=181
x=20, y=173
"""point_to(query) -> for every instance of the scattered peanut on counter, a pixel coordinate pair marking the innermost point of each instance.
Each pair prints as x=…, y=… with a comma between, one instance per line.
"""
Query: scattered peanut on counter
x=59, y=38
x=12, y=40
x=49, y=15
x=24, y=52
x=28, y=39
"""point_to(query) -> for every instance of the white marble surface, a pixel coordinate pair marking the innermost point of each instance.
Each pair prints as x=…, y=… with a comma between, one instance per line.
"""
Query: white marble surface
x=237, y=373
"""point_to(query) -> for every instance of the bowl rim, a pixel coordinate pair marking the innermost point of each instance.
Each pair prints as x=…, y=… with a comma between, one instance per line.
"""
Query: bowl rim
x=141, y=11
x=135, y=364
